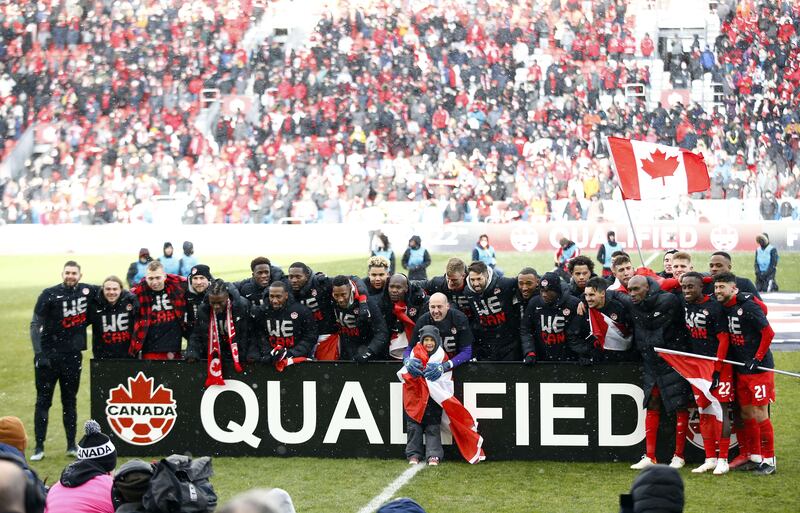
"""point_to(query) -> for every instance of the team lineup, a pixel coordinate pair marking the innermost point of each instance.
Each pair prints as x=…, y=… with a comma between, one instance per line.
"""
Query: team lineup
x=470, y=312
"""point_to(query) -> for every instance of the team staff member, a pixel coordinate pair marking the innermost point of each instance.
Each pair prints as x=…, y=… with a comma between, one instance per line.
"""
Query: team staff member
x=453, y=284
x=58, y=335
x=492, y=300
x=452, y=324
x=705, y=324
x=138, y=268
x=111, y=315
x=416, y=259
x=362, y=330
x=160, y=325
x=551, y=329
x=605, y=252
x=172, y=265
x=285, y=328
x=659, y=322
x=254, y=289
x=750, y=337
x=315, y=291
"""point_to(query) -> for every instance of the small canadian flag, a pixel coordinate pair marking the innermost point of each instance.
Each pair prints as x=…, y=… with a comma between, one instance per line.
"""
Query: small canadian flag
x=654, y=171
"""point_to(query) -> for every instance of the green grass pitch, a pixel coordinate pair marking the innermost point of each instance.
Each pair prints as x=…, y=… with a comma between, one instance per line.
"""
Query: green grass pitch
x=323, y=485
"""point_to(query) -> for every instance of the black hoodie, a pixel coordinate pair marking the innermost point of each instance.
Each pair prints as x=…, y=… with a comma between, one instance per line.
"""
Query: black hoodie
x=80, y=472
x=362, y=328
x=112, y=325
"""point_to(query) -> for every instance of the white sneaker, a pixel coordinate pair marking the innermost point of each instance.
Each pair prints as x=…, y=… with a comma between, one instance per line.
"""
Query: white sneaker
x=643, y=463
x=38, y=455
x=710, y=464
x=677, y=462
x=722, y=467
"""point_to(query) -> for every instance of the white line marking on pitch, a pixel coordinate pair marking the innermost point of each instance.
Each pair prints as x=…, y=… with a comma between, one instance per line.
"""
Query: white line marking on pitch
x=650, y=259
x=390, y=490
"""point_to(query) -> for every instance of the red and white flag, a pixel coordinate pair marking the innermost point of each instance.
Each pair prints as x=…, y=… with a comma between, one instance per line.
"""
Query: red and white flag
x=654, y=171
x=608, y=333
x=698, y=372
x=417, y=390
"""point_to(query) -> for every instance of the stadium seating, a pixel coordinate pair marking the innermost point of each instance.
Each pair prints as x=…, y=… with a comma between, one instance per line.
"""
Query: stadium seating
x=501, y=108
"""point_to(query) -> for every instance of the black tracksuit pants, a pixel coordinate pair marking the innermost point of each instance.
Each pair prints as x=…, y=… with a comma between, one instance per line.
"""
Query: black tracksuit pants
x=64, y=369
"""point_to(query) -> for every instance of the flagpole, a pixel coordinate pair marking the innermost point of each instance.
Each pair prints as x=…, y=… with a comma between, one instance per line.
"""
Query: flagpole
x=624, y=202
x=714, y=358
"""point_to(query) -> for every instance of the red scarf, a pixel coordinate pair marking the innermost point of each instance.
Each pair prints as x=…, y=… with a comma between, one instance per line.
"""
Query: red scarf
x=214, y=350
x=400, y=312
x=174, y=287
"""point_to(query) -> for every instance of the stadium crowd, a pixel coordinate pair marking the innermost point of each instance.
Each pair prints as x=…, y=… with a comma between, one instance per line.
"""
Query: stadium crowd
x=381, y=104
x=470, y=312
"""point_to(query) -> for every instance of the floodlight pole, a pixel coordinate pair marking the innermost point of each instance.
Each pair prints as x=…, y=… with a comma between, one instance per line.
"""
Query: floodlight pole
x=624, y=203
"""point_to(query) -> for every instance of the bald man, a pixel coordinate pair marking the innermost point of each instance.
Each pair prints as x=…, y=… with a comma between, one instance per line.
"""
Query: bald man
x=453, y=326
x=658, y=320
x=12, y=487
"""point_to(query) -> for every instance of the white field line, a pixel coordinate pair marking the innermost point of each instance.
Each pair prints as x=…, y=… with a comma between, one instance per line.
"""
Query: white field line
x=392, y=488
x=650, y=259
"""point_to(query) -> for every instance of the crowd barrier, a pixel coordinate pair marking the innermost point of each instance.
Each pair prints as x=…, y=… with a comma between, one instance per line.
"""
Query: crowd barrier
x=348, y=239
x=564, y=412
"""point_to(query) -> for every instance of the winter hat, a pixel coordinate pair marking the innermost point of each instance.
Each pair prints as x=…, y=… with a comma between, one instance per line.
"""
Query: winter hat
x=201, y=270
x=550, y=281
x=97, y=447
x=144, y=252
x=12, y=432
x=132, y=480
x=658, y=488
x=167, y=245
x=402, y=505
x=188, y=247
x=431, y=331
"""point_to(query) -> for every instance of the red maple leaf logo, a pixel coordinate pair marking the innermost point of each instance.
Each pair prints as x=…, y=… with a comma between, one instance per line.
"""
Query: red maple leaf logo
x=659, y=166
x=140, y=391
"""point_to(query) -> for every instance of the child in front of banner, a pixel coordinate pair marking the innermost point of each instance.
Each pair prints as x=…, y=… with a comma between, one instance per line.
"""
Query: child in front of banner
x=431, y=419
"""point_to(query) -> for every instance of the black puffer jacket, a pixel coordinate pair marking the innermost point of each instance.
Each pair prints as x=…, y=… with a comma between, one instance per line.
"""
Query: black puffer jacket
x=659, y=322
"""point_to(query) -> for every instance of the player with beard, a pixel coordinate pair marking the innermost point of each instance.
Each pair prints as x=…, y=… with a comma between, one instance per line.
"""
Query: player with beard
x=581, y=268
x=314, y=291
x=401, y=304
x=362, y=331
x=610, y=324
x=453, y=284
x=377, y=275
x=551, y=329
x=221, y=332
x=285, y=327
x=112, y=315
x=658, y=320
x=254, y=289
x=750, y=336
x=705, y=325
x=160, y=325
x=719, y=263
x=527, y=288
x=453, y=326
x=491, y=298
x=58, y=335
x=198, y=281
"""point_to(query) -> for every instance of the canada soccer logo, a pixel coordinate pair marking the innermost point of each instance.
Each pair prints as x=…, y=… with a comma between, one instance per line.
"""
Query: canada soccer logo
x=138, y=414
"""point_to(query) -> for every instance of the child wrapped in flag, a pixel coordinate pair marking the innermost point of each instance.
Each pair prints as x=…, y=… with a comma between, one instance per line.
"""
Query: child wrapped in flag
x=429, y=401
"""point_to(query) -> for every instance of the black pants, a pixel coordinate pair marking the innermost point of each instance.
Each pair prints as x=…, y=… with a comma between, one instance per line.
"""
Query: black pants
x=433, y=440
x=64, y=369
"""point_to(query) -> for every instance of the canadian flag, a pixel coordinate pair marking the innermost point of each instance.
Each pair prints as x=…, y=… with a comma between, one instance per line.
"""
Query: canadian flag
x=698, y=372
x=455, y=417
x=608, y=333
x=654, y=171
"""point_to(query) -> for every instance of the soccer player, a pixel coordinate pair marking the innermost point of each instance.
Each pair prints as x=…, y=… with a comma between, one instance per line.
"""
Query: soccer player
x=58, y=335
x=750, y=337
x=362, y=331
x=286, y=328
x=681, y=264
x=705, y=324
x=160, y=325
x=452, y=324
x=551, y=329
x=527, y=288
x=491, y=298
x=221, y=331
x=605, y=253
x=623, y=271
x=314, y=291
x=581, y=268
x=659, y=322
x=453, y=285
x=416, y=259
x=377, y=275
x=401, y=305
x=667, y=272
x=171, y=264
x=199, y=279
x=112, y=314
x=254, y=289
x=720, y=262
x=610, y=324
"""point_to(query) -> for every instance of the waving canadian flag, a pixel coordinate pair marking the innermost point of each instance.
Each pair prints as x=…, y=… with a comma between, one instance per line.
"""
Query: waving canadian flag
x=654, y=171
